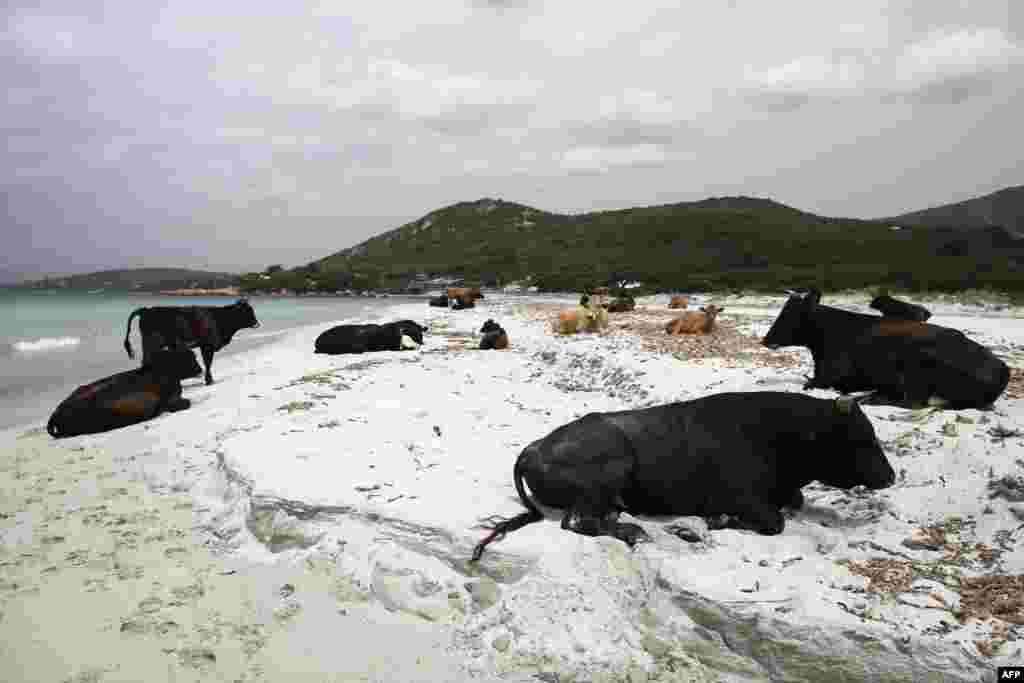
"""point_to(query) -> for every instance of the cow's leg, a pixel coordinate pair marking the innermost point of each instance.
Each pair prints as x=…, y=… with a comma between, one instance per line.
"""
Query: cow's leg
x=594, y=515
x=208, y=362
x=760, y=516
x=753, y=515
x=177, y=403
x=150, y=343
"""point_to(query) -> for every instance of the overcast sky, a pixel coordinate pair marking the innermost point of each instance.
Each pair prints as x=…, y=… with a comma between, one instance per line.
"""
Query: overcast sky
x=233, y=134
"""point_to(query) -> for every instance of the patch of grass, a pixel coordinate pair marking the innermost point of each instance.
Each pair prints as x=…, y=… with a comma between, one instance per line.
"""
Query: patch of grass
x=296, y=406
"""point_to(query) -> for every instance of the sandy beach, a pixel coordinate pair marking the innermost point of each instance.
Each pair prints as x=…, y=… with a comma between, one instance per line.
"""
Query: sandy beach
x=311, y=518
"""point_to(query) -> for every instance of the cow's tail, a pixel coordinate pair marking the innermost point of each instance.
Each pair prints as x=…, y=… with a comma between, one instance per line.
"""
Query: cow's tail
x=500, y=528
x=128, y=333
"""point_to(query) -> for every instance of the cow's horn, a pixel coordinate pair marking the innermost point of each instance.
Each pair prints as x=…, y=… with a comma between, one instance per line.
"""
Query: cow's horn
x=845, y=404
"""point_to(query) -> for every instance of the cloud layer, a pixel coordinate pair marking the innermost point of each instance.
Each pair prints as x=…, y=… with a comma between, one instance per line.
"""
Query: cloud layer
x=225, y=135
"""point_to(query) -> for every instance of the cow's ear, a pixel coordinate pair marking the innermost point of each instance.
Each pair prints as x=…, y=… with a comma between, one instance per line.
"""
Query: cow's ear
x=845, y=405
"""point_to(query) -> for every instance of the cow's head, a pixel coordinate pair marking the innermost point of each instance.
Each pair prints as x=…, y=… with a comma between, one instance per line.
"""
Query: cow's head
x=712, y=309
x=881, y=300
x=178, y=364
x=788, y=329
x=245, y=316
x=490, y=326
x=851, y=454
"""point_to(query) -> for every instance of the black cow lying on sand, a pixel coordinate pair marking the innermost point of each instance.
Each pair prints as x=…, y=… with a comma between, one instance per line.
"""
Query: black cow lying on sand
x=127, y=397
x=208, y=327
x=744, y=454
x=411, y=328
x=894, y=308
x=396, y=336
x=902, y=361
x=439, y=301
x=494, y=337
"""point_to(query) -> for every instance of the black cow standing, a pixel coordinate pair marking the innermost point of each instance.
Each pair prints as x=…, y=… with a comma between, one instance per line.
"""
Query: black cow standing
x=208, y=327
x=127, y=397
x=902, y=361
x=894, y=308
x=369, y=337
x=744, y=454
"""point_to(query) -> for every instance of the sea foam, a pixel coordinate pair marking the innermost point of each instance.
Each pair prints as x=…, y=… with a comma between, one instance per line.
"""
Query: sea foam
x=46, y=344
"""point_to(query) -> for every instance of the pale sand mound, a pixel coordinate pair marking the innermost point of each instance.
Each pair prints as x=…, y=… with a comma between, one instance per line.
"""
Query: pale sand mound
x=102, y=581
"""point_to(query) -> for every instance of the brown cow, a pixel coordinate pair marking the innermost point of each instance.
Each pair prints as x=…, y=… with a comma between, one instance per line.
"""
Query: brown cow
x=695, y=322
x=679, y=301
x=622, y=304
x=469, y=293
x=580, y=318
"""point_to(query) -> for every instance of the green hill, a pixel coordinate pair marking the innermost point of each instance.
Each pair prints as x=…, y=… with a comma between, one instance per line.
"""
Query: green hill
x=1004, y=208
x=729, y=242
x=137, y=279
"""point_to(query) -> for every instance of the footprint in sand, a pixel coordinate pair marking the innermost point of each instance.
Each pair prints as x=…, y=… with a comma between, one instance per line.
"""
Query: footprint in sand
x=94, y=585
x=129, y=571
x=136, y=625
x=196, y=657
x=52, y=540
x=176, y=553
x=167, y=628
x=287, y=611
x=192, y=591
x=87, y=676
x=251, y=635
x=151, y=605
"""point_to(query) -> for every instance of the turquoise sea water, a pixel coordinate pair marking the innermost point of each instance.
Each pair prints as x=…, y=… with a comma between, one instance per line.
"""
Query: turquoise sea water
x=53, y=341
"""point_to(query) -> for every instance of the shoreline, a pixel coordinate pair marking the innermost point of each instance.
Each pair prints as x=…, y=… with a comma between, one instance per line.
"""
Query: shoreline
x=308, y=485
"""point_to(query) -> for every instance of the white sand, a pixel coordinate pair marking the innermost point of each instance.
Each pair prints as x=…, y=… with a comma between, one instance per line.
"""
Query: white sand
x=359, y=481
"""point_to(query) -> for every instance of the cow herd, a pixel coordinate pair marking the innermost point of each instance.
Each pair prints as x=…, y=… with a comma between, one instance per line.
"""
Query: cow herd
x=168, y=335
x=736, y=459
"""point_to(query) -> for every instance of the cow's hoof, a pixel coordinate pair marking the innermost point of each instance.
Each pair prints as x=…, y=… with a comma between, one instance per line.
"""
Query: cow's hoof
x=719, y=521
x=631, y=534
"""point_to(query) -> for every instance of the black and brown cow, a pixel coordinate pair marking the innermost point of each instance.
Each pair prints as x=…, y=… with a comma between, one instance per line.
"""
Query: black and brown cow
x=127, y=397
x=901, y=360
x=208, y=327
x=494, y=336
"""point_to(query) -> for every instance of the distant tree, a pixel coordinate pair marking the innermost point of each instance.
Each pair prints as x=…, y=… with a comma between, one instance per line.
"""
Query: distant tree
x=277, y=268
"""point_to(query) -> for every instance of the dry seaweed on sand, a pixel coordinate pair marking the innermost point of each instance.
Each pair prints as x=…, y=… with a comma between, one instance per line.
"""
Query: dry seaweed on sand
x=647, y=324
x=1015, y=389
x=999, y=597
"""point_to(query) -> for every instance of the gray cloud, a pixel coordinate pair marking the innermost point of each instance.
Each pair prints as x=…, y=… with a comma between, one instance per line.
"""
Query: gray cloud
x=230, y=136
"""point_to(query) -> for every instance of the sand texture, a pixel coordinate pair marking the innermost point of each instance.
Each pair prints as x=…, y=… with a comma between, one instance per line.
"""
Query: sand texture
x=312, y=518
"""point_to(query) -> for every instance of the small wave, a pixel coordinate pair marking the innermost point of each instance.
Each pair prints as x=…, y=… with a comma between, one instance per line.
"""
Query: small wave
x=46, y=344
x=261, y=335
